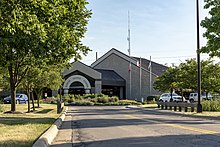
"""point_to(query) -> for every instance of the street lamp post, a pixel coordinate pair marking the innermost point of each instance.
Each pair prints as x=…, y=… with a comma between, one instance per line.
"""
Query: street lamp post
x=199, y=106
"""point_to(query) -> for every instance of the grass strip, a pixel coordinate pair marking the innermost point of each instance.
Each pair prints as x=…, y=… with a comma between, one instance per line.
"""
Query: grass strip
x=22, y=130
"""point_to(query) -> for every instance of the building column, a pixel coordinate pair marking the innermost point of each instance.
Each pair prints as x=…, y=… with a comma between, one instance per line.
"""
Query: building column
x=121, y=93
x=66, y=91
x=98, y=87
x=87, y=91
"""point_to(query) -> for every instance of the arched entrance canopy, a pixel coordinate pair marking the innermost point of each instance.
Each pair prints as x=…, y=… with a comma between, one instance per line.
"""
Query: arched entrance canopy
x=76, y=78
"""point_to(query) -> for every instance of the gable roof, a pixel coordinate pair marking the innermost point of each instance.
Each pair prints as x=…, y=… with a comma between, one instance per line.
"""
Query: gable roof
x=118, y=53
x=82, y=68
x=157, y=69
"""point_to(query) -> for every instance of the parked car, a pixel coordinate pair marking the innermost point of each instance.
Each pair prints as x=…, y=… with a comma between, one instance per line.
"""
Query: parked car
x=166, y=97
x=20, y=98
x=193, y=97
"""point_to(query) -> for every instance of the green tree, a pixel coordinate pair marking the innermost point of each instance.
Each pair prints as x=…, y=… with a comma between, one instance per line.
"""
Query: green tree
x=40, y=32
x=184, y=77
x=188, y=74
x=49, y=77
x=38, y=78
x=168, y=81
x=211, y=24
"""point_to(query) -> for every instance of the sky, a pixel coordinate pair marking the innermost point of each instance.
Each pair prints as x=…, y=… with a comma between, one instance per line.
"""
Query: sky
x=162, y=29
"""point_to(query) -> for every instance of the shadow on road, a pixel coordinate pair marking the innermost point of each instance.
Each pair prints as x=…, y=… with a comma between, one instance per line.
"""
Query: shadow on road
x=161, y=141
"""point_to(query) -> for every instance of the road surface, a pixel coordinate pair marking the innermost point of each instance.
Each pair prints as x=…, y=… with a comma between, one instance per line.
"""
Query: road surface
x=135, y=127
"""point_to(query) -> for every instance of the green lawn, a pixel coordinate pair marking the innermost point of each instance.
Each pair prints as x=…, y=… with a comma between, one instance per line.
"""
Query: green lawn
x=24, y=129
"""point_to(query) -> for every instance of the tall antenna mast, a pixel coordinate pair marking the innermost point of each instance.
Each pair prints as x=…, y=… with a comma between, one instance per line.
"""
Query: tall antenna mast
x=129, y=52
x=129, y=35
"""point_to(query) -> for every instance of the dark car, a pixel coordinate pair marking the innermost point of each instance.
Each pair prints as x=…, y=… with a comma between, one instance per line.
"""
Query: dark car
x=20, y=98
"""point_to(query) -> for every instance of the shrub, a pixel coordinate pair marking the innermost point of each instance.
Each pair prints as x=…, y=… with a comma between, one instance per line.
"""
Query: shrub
x=211, y=105
x=65, y=98
x=101, y=95
x=83, y=103
x=77, y=97
x=50, y=100
x=1, y=108
x=151, y=98
x=113, y=99
x=129, y=102
x=89, y=96
x=102, y=100
x=151, y=102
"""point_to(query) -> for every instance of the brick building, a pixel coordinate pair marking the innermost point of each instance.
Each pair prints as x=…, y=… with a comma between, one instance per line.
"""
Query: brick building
x=115, y=73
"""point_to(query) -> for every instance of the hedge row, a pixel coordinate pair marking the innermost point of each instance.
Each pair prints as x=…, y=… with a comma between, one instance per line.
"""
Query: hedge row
x=211, y=105
x=91, y=99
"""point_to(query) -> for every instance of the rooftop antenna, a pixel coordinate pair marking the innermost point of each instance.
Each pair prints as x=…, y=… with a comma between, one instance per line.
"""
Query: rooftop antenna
x=129, y=52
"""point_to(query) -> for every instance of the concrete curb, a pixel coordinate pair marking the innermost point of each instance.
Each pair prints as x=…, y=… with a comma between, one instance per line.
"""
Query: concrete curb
x=46, y=139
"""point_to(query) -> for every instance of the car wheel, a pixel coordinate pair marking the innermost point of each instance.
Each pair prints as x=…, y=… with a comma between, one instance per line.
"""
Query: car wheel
x=160, y=100
x=191, y=101
x=171, y=100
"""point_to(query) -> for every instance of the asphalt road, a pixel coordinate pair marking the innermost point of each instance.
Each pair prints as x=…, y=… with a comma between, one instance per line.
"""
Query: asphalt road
x=135, y=127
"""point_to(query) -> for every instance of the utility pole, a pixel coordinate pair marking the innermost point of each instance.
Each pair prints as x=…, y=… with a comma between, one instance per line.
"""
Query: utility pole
x=199, y=106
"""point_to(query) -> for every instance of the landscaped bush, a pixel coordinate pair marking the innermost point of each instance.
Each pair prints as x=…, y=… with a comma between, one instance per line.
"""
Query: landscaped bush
x=65, y=98
x=77, y=97
x=1, y=108
x=113, y=99
x=151, y=102
x=101, y=95
x=211, y=105
x=102, y=100
x=89, y=96
x=129, y=102
x=50, y=100
x=82, y=103
x=95, y=99
x=151, y=98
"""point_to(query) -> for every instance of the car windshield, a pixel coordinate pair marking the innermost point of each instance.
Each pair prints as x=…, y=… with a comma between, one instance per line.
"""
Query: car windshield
x=18, y=95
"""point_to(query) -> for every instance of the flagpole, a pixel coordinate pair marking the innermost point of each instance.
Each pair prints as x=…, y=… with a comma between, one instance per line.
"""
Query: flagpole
x=129, y=52
x=140, y=64
x=150, y=76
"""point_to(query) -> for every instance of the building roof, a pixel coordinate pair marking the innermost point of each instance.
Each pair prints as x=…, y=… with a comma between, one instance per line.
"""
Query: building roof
x=110, y=77
x=79, y=66
x=156, y=68
x=116, y=52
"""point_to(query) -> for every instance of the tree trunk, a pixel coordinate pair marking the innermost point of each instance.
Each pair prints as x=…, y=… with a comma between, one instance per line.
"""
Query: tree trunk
x=171, y=93
x=13, y=89
x=29, y=109
x=32, y=98
x=38, y=94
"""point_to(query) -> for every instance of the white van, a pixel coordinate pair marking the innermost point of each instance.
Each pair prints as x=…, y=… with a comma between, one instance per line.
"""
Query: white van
x=193, y=97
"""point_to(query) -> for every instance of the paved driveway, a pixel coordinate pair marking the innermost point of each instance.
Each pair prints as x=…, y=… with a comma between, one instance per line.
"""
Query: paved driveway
x=131, y=127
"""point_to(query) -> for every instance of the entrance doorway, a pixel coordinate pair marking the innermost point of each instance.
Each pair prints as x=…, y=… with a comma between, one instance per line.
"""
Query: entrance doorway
x=76, y=88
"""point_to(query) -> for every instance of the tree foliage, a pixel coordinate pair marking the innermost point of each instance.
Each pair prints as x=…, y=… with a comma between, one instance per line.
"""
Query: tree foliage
x=211, y=24
x=184, y=76
x=38, y=78
x=36, y=32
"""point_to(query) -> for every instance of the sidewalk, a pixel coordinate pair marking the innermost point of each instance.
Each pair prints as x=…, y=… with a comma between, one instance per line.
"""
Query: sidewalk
x=64, y=137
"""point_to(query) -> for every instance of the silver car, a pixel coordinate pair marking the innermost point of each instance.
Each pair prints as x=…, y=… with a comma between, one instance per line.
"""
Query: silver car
x=166, y=97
